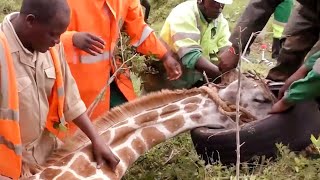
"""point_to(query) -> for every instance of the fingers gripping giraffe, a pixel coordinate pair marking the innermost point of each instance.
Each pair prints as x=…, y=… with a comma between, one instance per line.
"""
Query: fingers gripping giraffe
x=135, y=127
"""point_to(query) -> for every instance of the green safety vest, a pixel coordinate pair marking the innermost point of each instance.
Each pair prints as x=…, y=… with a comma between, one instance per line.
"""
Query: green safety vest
x=185, y=30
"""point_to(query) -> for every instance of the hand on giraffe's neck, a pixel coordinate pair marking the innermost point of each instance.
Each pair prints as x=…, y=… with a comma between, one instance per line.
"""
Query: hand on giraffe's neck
x=134, y=128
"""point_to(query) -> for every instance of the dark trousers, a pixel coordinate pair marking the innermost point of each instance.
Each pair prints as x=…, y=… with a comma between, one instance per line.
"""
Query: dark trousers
x=301, y=33
x=146, y=5
x=116, y=96
x=301, y=39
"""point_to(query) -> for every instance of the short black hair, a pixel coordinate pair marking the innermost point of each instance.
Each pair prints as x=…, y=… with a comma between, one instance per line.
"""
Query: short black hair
x=44, y=10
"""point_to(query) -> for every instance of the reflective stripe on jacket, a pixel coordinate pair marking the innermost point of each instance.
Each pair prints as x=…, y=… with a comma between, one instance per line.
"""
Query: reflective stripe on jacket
x=185, y=29
x=10, y=139
x=105, y=19
x=281, y=16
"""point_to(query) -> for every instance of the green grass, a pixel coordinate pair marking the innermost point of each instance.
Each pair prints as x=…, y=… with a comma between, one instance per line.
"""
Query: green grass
x=8, y=6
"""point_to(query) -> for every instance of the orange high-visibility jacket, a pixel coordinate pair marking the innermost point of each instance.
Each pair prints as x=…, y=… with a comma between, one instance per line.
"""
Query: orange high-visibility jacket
x=105, y=18
x=10, y=139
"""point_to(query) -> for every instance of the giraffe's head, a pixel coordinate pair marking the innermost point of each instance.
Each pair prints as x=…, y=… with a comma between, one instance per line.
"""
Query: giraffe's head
x=253, y=96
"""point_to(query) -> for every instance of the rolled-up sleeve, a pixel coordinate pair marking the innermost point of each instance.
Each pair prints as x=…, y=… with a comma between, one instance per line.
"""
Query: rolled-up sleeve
x=311, y=61
x=73, y=106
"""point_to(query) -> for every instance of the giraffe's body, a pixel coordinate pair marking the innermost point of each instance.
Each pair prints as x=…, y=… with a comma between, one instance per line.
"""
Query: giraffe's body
x=134, y=128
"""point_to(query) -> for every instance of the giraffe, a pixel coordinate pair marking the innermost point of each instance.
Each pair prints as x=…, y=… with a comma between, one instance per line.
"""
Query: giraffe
x=137, y=126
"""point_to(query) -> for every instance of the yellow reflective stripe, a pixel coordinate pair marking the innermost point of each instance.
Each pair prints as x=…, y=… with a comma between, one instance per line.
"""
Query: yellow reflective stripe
x=277, y=30
x=184, y=50
x=145, y=33
x=279, y=23
x=9, y=114
x=61, y=95
x=183, y=35
x=60, y=91
x=17, y=148
x=4, y=96
x=89, y=59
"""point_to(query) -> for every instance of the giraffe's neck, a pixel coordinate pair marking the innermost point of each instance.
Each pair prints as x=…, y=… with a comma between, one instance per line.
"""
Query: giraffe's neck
x=137, y=134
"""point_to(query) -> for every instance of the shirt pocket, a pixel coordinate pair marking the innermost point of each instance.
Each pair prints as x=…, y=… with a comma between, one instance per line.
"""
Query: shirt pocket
x=23, y=83
x=50, y=78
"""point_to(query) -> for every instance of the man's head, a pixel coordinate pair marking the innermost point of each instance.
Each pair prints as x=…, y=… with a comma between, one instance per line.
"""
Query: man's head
x=211, y=9
x=43, y=22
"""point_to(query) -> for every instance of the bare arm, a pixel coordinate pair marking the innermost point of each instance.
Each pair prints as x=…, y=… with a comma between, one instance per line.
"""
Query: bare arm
x=205, y=65
x=299, y=74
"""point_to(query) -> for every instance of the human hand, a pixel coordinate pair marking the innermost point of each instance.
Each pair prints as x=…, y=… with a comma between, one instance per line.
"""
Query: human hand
x=172, y=67
x=228, y=60
x=280, y=107
x=102, y=153
x=89, y=43
x=282, y=90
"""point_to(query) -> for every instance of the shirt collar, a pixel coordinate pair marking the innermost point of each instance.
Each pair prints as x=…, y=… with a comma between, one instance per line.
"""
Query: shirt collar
x=13, y=39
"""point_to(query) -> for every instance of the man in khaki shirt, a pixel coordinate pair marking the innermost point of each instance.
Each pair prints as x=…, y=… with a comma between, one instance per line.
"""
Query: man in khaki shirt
x=30, y=34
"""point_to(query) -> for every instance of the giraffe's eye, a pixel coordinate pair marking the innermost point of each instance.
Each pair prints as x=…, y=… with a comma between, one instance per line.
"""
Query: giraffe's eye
x=262, y=100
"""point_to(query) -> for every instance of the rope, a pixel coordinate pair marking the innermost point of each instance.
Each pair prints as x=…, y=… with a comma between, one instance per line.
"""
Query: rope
x=226, y=108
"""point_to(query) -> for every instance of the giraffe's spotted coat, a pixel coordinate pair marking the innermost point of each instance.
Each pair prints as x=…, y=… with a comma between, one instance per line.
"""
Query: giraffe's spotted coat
x=149, y=123
x=169, y=110
x=174, y=124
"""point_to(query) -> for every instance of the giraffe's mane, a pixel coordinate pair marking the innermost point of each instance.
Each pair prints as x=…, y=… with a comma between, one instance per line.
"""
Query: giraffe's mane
x=118, y=114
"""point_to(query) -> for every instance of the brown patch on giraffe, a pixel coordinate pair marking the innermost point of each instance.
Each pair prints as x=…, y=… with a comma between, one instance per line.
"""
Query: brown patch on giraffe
x=138, y=145
x=121, y=135
x=106, y=170
x=50, y=173
x=106, y=136
x=169, y=110
x=223, y=117
x=67, y=175
x=147, y=117
x=127, y=155
x=245, y=105
x=195, y=100
x=207, y=103
x=152, y=136
x=83, y=167
x=174, y=123
x=191, y=107
x=197, y=118
x=64, y=161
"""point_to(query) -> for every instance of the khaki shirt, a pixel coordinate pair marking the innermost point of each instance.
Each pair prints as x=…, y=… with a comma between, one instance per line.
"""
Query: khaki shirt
x=35, y=75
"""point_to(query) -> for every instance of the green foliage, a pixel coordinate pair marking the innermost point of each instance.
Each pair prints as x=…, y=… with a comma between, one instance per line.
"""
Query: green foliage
x=316, y=143
x=177, y=159
x=8, y=6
